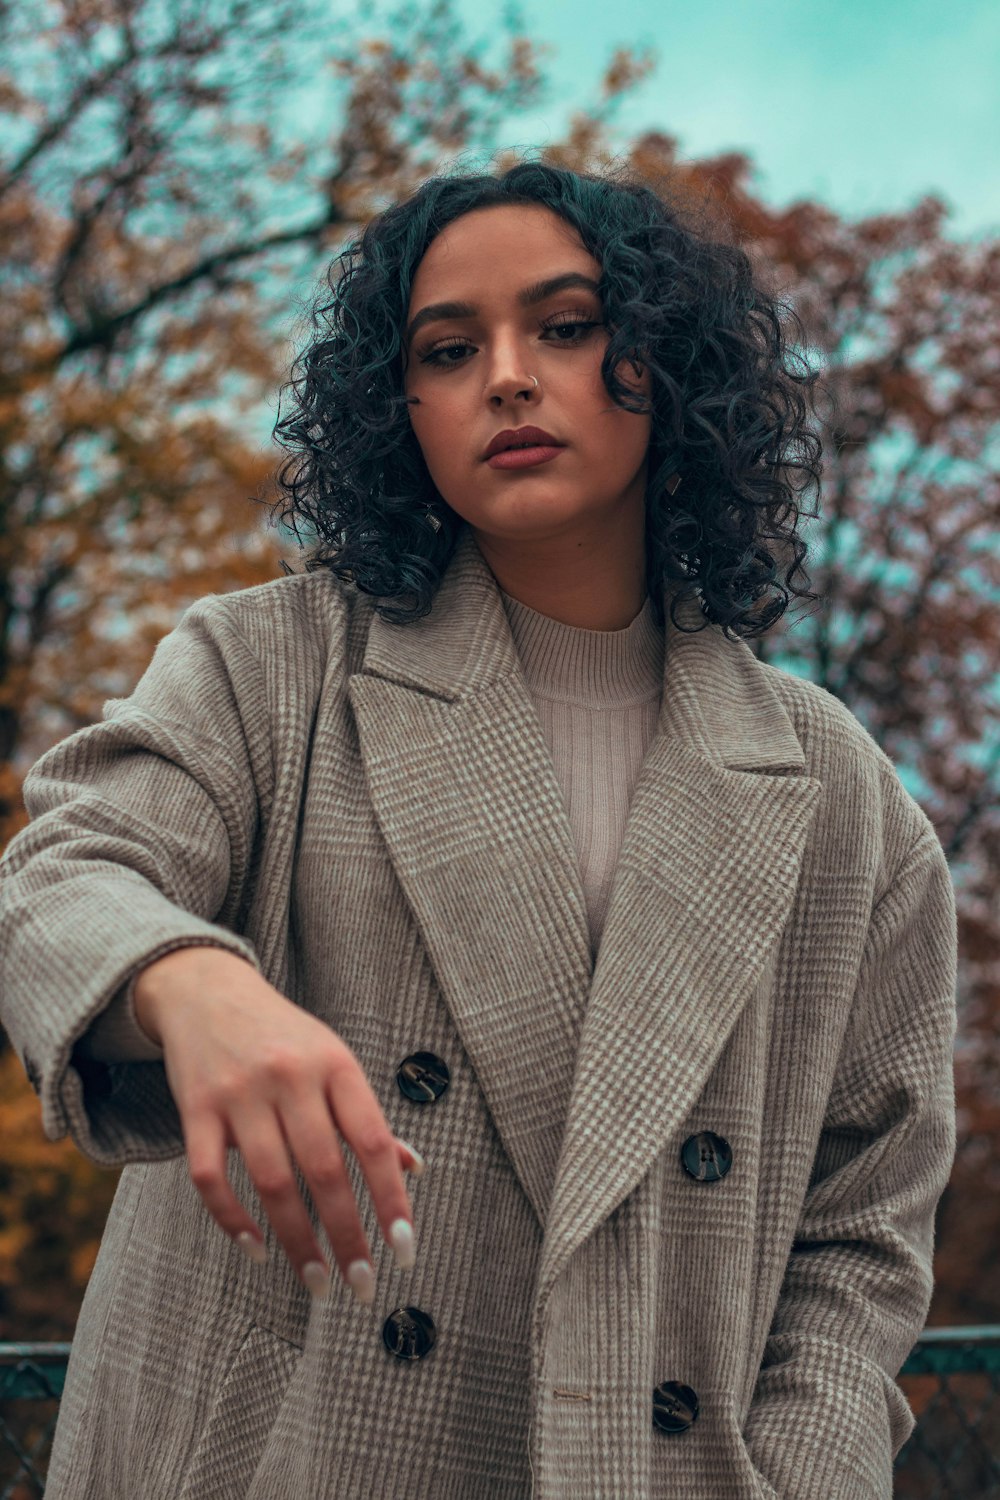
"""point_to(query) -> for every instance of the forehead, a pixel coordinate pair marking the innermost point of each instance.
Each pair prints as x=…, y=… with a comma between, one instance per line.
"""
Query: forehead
x=513, y=243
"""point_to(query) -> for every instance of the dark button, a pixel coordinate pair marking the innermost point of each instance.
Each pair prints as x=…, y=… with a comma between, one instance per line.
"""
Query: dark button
x=409, y=1333
x=423, y=1077
x=675, y=1407
x=706, y=1156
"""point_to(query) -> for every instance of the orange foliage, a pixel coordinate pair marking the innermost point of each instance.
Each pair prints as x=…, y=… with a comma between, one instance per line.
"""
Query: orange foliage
x=136, y=347
x=53, y=1206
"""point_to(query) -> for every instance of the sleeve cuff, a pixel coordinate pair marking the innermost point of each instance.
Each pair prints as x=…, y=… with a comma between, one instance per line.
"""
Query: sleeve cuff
x=116, y=1035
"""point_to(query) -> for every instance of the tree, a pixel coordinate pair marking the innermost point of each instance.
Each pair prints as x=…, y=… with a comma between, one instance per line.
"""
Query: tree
x=155, y=214
x=152, y=218
x=908, y=635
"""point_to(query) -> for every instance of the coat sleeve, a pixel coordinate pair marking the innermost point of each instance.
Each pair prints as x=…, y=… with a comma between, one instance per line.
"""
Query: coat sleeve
x=826, y=1416
x=140, y=841
x=116, y=1035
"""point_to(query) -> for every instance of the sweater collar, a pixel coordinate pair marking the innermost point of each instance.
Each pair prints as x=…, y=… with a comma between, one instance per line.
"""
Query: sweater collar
x=568, y=664
x=717, y=696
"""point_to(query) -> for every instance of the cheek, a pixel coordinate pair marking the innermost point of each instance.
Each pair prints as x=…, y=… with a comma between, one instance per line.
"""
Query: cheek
x=434, y=411
x=628, y=445
x=598, y=399
x=621, y=450
x=434, y=433
x=429, y=424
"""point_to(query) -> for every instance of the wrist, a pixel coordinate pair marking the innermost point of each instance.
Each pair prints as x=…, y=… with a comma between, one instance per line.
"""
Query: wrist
x=149, y=983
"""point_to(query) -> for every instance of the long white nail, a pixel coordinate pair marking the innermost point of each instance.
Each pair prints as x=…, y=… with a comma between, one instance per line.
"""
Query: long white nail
x=361, y=1279
x=418, y=1161
x=251, y=1247
x=317, y=1279
x=401, y=1240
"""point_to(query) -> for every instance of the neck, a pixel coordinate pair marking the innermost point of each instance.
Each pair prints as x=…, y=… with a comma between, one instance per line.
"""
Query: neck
x=594, y=578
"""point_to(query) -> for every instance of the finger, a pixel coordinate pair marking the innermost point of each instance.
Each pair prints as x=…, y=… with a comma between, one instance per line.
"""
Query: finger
x=410, y=1159
x=309, y=1129
x=206, y=1139
x=359, y=1118
x=260, y=1137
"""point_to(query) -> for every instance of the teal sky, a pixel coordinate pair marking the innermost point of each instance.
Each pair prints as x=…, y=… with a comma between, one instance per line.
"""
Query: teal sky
x=864, y=106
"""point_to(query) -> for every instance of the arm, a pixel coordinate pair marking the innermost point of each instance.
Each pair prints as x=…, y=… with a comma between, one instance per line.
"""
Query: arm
x=140, y=840
x=827, y=1417
x=123, y=1032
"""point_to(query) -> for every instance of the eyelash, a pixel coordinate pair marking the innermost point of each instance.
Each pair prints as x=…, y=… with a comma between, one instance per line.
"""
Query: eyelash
x=430, y=358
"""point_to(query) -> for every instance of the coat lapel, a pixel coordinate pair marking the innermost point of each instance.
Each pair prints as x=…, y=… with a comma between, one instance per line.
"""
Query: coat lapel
x=586, y=1068
x=466, y=796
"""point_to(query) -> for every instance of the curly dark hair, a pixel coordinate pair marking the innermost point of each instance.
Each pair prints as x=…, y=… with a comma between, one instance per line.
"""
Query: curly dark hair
x=727, y=413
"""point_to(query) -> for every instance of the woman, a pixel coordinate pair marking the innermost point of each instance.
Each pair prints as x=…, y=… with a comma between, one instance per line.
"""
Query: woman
x=536, y=876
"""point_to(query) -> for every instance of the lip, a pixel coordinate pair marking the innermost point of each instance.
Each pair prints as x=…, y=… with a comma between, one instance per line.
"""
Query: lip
x=510, y=436
x=523, y=458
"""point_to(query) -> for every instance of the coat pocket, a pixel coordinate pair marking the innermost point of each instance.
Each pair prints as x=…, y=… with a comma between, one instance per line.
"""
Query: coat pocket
x=244, y=1411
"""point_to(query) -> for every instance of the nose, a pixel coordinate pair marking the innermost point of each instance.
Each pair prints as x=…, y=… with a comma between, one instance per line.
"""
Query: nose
x=508, y=387
x=509, y=369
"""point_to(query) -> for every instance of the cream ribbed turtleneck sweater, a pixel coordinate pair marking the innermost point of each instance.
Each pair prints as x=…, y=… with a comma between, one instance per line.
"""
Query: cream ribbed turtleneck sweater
x=597, y=694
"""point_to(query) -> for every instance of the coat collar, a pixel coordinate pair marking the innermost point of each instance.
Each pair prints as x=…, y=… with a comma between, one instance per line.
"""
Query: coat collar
x=587, y=1068
x=464, y=646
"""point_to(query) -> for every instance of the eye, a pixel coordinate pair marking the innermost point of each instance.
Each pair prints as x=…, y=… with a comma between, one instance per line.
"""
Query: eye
x=579, y=326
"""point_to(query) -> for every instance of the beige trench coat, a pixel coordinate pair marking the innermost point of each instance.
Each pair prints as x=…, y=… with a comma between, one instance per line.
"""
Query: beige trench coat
x=370, y=814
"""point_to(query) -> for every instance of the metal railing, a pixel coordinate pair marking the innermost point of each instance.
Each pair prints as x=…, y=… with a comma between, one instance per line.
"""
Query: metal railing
x=951, y=1379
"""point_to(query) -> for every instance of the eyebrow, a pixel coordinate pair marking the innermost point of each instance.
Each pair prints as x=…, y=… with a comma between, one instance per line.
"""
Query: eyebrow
x=537, y=292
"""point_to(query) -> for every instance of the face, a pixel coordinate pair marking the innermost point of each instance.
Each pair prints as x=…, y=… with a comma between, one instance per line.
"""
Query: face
x=472, y=377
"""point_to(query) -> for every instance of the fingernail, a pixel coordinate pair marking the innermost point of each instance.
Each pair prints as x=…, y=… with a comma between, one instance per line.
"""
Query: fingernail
x=418, y=1161
x=317, y=1279
x=361, y=1279
x=401, y=1240
x=252, y=1247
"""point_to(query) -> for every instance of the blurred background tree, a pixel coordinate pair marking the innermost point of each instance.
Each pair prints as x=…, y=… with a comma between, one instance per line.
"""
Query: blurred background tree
x=163, y=213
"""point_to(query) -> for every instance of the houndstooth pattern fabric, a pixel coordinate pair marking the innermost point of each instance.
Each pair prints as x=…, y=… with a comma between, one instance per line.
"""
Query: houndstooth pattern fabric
x=369, y=815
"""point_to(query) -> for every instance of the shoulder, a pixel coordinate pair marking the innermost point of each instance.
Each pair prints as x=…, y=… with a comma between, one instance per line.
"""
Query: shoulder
x=862, y=786
x=301, y=626
x=823, y=722
x=316, y=603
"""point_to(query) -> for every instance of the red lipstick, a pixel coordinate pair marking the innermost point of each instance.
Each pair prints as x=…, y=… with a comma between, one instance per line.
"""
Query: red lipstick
x=522, y=448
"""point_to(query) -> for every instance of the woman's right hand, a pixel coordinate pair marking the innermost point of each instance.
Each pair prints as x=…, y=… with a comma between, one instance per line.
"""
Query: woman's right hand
x=250, y=1069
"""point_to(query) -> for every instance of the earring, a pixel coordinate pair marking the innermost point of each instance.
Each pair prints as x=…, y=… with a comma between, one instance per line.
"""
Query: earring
x=433, y=521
